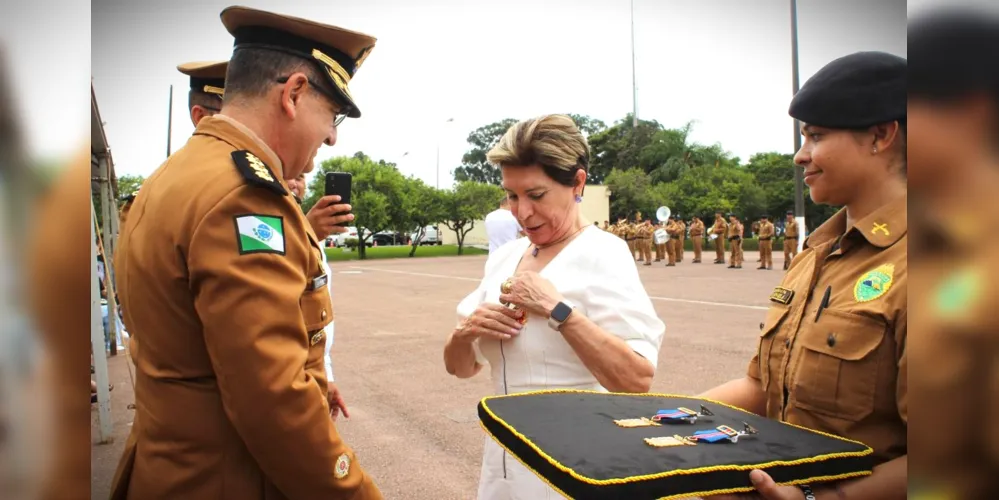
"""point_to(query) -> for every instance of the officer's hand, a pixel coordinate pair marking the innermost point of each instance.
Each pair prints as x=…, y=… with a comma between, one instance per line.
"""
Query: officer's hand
x=766, y=489
x=336, y=401
x=327, y=214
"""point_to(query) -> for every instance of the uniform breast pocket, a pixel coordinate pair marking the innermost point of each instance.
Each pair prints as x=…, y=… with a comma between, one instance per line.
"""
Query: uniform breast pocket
x=838, y=373
x=767, y=355
x=317, y=310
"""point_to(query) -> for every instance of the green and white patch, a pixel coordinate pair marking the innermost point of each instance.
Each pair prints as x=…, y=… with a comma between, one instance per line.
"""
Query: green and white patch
x=260, y=234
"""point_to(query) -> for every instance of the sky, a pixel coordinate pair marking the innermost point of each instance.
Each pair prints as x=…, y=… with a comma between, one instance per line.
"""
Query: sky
x=724, y=64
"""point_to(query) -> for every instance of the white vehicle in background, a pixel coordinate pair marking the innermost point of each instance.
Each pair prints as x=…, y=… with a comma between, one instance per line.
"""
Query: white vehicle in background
x=431, y=236
x=339, y=239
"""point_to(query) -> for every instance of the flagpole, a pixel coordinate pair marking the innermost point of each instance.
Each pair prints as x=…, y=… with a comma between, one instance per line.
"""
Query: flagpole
x=169, y=120
x=799, y=181
x=634, y=81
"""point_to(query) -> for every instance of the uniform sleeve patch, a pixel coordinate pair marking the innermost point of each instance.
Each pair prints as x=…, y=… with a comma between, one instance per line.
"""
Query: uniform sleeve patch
x=256, y=172
x=257, y=233
x=782, y=295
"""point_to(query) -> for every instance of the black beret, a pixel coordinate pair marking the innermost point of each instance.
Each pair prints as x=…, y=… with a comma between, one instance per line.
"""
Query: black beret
x=854, y=91
x=949, y=50
x=128, y=197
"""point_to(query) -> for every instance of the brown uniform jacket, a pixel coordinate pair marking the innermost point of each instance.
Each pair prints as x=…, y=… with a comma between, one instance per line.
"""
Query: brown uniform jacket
x=791, y=229
x=697, y=229
x=681, y=229
x=845, y=373
x=230, y=389
x=767, y=230
x=671, y=228
x=720, y=227
x=956, y=337
x=735, y=230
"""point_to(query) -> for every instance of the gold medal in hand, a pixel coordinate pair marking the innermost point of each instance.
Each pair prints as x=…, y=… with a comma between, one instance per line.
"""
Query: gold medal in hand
x=505, y=289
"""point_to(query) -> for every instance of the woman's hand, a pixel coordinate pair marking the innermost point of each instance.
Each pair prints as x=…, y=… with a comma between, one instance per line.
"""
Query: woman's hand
x=491, y=321
x=528, y=290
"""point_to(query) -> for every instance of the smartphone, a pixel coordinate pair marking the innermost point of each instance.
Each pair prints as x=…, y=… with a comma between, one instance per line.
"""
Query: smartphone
x=338, y=183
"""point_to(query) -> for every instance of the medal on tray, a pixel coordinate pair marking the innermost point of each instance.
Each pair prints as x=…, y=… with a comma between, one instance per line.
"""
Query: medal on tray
x=506, y=288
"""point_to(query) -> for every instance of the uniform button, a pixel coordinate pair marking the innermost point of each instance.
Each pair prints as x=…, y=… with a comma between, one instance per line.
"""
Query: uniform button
x=324, y=313
x=787, y=343
x=761, y=326
x=831, y=340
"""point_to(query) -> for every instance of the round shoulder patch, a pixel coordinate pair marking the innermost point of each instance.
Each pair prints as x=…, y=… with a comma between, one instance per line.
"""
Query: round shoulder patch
x=342, y=467
x=874, y=283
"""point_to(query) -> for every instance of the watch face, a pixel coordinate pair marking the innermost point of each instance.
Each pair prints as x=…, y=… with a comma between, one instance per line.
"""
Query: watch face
x=561, y=312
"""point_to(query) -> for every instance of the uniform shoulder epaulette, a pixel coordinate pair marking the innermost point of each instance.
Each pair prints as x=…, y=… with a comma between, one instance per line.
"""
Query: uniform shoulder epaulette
x=256, y=172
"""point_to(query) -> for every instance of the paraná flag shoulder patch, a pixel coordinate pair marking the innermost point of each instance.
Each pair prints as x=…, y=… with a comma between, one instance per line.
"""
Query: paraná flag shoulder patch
x=257, y=233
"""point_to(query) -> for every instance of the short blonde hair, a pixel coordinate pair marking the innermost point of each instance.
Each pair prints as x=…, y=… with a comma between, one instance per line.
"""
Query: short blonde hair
x=552, y=141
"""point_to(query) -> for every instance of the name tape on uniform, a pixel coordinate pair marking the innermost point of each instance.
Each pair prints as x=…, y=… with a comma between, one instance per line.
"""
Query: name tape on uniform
x=782, y=295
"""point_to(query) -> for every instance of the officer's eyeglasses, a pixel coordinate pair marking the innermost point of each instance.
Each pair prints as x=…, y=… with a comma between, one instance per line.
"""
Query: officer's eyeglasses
x=340, y=115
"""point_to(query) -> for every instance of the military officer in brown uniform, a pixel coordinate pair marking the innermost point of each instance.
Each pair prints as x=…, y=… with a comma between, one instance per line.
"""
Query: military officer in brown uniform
x=221, y=281
x=832, y=348
x=697, y=236
x=671, y=244
x=681, y=237
x=207, y=87
x=790, y=239
x=734, y=236
x=643, y=233
x=720, y=230
x=767, y=232
x=660, y=247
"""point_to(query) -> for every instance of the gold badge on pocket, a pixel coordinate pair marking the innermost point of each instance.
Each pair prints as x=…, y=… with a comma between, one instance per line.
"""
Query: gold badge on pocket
x=317, y=337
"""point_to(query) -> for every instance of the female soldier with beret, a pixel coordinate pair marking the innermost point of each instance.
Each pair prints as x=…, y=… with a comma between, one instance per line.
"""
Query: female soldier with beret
x=832, y=353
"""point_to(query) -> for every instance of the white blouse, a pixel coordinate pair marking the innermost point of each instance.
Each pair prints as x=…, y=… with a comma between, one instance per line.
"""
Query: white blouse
x=597, y=275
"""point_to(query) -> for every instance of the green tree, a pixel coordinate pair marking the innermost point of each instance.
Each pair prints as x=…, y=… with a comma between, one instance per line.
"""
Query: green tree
x=587, y=125
x=423, y=206
x=467, y=203
x=377, y=193
x=474, y=166
x=619, y=147
x=128, y=185
x=629, y=192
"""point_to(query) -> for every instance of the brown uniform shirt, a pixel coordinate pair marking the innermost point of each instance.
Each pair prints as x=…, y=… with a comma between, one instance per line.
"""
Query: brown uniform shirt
x=720, y=227
x=767, y=230
x=844, y=373
x=681, y=229
x=956, y=340
x=697, y=228
x=735, y=230
x=791, y=230
x=230, y=387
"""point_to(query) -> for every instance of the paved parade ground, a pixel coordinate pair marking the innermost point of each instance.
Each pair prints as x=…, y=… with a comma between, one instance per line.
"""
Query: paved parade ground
x=413, y=426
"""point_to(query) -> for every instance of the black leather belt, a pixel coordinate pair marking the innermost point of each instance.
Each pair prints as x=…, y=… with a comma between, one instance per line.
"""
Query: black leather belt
x=764, y=239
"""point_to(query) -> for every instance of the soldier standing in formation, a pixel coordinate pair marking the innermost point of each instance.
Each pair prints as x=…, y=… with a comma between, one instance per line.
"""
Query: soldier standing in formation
x=644, y=234
x=671, y=244
x=790, y=239
x=767, y=231
x=660, y=247
x=697, y=235
x=720, y=230
x=681, y=235
x=755, y=228
x=735, y=229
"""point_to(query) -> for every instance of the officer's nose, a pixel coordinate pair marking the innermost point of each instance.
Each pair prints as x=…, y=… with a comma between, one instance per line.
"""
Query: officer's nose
x=331, y=137
x=803, y=157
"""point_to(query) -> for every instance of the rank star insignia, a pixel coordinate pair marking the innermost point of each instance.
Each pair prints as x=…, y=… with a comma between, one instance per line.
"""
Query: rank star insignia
x=258, y=167
x=874, y=283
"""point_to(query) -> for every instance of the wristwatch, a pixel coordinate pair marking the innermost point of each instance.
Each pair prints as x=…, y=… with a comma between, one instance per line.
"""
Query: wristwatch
x=807, y=490
x=558, y=315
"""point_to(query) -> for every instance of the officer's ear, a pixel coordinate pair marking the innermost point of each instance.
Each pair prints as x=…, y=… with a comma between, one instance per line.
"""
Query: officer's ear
x=293, y=92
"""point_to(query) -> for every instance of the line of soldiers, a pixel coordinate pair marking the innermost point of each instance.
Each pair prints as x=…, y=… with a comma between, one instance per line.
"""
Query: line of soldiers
x=640, y=236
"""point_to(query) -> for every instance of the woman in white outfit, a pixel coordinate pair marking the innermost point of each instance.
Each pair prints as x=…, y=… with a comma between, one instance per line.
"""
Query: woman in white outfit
x=589, y=322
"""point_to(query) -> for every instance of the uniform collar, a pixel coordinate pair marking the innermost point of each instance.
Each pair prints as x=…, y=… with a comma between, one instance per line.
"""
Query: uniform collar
x=882, y=228
x=240, y=136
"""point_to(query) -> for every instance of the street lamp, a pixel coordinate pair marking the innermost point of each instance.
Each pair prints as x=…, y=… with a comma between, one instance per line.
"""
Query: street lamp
x=449, y=120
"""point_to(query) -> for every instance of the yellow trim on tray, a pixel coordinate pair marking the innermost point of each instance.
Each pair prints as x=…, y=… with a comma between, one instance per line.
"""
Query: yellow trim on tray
x=678, y=472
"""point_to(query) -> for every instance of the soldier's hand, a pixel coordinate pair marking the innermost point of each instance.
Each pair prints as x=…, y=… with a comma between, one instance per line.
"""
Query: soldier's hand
x=336, y=402
x=327, y=214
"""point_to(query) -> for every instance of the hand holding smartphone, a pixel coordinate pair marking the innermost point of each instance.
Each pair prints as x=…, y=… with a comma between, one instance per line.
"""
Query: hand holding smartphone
x=339, y=184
